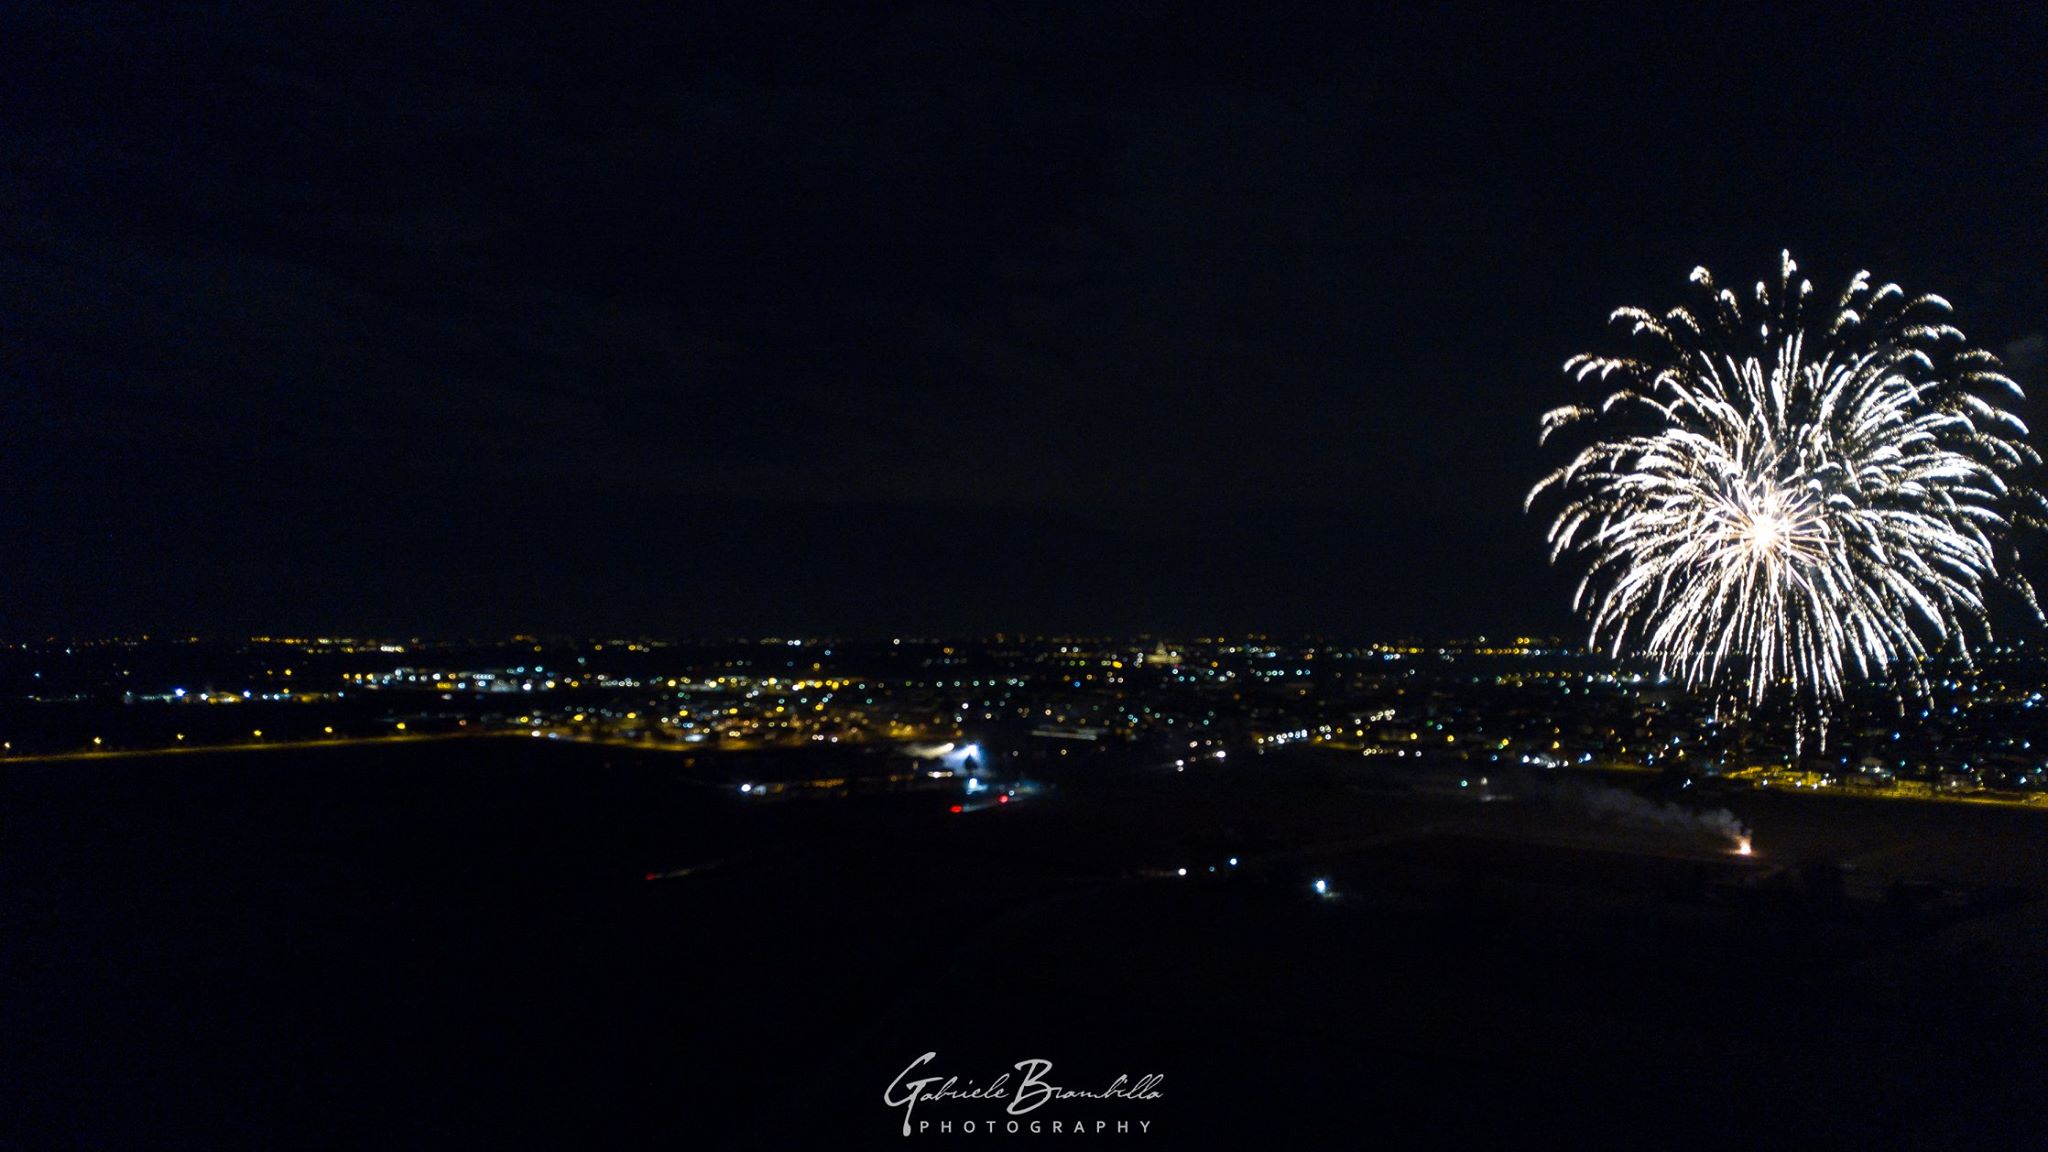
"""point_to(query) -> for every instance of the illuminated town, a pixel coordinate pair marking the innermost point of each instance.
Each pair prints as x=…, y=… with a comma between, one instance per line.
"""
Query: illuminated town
x=1027, y=706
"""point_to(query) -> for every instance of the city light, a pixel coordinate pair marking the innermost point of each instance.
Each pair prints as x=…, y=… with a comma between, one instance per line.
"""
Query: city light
x=1475, y=707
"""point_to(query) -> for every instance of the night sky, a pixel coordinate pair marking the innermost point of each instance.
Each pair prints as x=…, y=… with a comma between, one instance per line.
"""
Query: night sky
x=719, y=320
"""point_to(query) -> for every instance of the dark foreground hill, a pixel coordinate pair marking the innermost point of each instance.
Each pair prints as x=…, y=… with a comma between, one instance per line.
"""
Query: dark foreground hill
x=459, y=946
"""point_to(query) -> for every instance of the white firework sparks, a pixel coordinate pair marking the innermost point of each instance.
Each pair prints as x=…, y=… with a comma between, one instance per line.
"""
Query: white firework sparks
x=1794, y=495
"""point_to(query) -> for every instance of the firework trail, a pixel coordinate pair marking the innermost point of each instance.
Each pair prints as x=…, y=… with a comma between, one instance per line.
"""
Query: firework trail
x=1777, y=496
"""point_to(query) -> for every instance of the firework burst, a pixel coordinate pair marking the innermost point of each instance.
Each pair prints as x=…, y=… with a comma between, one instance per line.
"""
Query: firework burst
x=1776, y=496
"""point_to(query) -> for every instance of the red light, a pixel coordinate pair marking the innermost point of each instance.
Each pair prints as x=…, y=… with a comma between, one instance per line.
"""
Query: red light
x=1002, y=799
x=654, y=875
x=958, y=808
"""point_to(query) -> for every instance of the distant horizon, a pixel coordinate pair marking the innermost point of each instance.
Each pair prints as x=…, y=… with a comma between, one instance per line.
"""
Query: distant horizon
x=767, y=637
x=1530, y=640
